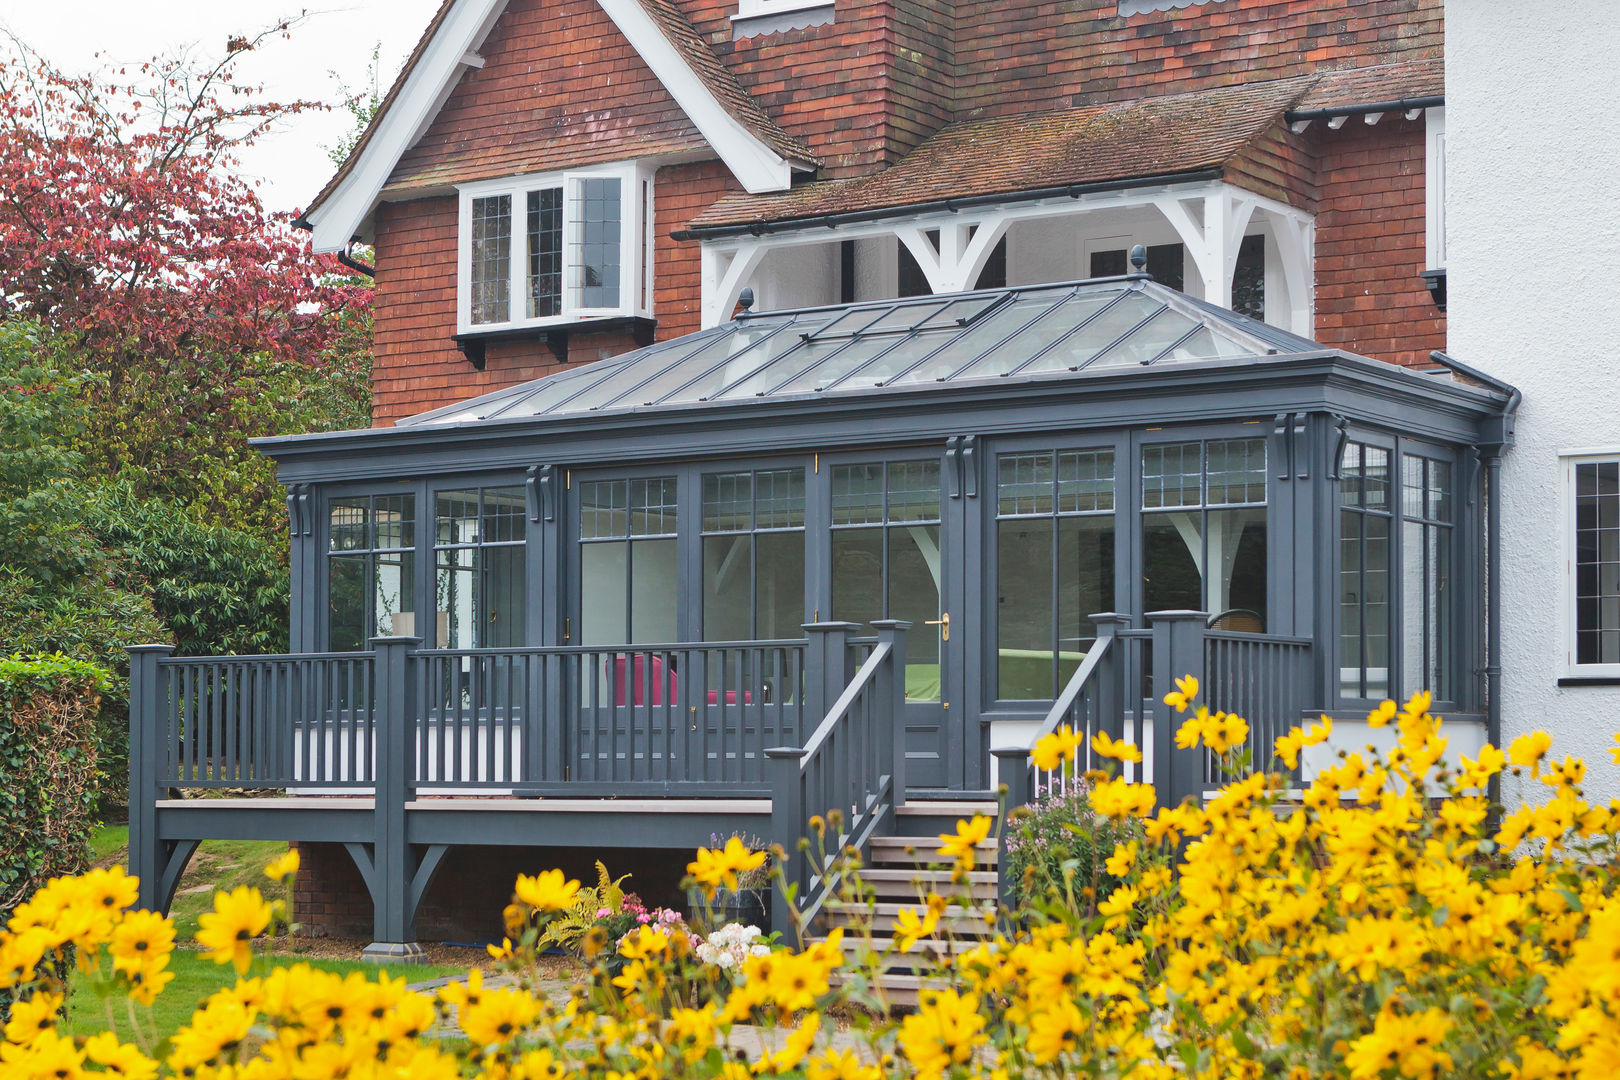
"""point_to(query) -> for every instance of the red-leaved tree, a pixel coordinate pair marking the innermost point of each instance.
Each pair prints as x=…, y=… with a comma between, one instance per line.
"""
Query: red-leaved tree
x=123, y=220
x=128, y=233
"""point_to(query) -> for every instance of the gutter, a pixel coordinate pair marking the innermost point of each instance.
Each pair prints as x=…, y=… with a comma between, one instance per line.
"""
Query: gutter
x=355, y=264
x=1493, y=549
x=1435, y=101
x=833, y=221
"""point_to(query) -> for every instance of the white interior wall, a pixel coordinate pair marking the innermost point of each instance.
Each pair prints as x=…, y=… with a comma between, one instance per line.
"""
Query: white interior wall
x=1533, y=146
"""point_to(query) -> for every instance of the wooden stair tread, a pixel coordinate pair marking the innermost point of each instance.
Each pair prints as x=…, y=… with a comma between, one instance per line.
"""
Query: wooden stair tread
x=889, y=907
x=909, y=875
x=963, y=808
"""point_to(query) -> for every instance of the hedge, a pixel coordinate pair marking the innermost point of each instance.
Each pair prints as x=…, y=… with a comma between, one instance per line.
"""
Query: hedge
x=48, y=709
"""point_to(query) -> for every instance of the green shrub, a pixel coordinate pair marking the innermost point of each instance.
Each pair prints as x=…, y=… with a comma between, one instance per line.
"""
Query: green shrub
x=48, y=707
x=1056, y=850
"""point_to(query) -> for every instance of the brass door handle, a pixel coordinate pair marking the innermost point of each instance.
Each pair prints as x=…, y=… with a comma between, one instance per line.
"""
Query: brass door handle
x=944, y=624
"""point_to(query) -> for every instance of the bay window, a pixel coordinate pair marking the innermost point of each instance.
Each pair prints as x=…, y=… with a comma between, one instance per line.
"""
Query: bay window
x=555, y=248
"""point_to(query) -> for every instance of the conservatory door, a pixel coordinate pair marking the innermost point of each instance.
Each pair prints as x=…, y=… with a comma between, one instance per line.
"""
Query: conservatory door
x=891, y=559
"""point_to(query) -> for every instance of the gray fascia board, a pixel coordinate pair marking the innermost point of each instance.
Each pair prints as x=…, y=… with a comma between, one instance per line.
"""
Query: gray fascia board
x=1367, y=390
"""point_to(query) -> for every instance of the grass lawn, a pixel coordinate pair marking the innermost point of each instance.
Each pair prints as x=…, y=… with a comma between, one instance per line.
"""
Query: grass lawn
x=196, y=977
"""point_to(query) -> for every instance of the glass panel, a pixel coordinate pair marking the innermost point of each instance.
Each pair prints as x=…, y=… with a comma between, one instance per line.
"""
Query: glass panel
x=779, y=499
x=727, y=603
x=913, y=593
x=913, y=492
x=779, y=586
x=1597, y=563
x=491, y=272
x=748, y=349
x=346, y=603
x=456, y=517
x=1082, y=347
x=1025, y=484
x=830, y=370
x=545, y=252
x=603, y=508
x=857, y=575
x=1364, y=605
x=728, y=500
x=979, y=338
x=652, y=506
x=1237, y=471
x=603, y=591
x=505, y=597
x=394, y=597
x=1085, y=481
x=455, y=590
x=857, y=495
x=653, y=592
x=1172, y=552
x=1147, y=343
x=1172, y=475
x=596, y=247
x=1439, y=491
x=349, y=521
x=505, y=509
x=1024, y=609
x=1414, y=609
x=1047, y=330
x=1085, y=586
x=396, y=521
x=1235, y=547
x=959, y=312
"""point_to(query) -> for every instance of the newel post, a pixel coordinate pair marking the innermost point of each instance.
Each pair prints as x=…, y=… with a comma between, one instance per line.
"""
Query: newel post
x=891, y=711
x=394, y=725
x=1013, y=773
x=826, y=671
x=1178, y=649
x=1110, y=676
x=148, y=715
x=788, y=824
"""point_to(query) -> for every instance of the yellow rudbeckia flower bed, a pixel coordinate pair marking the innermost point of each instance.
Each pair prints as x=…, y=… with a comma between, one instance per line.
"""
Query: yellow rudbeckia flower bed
x=1386, y=920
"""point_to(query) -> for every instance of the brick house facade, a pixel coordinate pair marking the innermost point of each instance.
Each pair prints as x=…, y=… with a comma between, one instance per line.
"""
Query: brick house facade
x=1067, y=131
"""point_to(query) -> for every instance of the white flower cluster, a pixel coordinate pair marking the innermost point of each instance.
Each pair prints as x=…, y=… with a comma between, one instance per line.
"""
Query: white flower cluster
x=730, y=945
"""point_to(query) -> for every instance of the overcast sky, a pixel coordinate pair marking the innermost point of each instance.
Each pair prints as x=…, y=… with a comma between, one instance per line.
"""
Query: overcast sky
x=337, y=36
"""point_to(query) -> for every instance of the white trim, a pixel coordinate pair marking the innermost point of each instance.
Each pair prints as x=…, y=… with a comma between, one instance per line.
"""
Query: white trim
x=1567, y=460
x=1211, y=219
x=337, y=220
x=635, y=271
x=1434, y=189
x=755, y=165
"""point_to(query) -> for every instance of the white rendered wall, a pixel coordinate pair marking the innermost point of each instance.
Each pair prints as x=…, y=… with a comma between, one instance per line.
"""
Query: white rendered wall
x=1533, y=133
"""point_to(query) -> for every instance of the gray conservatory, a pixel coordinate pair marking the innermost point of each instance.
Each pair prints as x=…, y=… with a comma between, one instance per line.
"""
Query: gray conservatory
x=837, y=557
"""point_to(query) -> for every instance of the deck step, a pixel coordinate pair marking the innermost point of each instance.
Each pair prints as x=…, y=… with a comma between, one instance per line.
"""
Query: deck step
x=955, y=808
x=886, y=916
x=903, y=990
x=854, y=945
x=906, y=882
x=922, y=851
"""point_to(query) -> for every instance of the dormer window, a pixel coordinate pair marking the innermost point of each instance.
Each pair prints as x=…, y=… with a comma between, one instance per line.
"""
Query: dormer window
x=555, y=248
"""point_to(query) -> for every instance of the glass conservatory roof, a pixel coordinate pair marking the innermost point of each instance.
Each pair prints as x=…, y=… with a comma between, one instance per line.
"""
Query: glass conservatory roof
x=1018, y=333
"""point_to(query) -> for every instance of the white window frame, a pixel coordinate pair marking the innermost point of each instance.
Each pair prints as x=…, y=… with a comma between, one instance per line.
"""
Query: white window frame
x=635, y=246
x=1567, y=460
x=1434, y=188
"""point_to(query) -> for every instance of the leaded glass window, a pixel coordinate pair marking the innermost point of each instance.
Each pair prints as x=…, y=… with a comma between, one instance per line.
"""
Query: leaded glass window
x=491, y=259
x=545, y=252
x=596, y=247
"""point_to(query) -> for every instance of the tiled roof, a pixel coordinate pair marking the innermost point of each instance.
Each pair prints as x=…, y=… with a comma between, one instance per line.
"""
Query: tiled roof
x=1371, y=85
x=722, y=83
x=1179, y=133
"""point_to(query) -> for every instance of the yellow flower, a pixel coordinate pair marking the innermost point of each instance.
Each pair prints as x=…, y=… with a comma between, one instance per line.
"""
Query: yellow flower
x=944, y=1031
x=283, y=865
x=1181, y=697
x=498, y=1016
x=1409, y=1042
x=720, y=866
x=1119, y=905
x=141, y=941
x=1120, y=862
x=1117, y=799
x=1529, y=749
x=549, y=890
x=962, y=845
x=914, y=927
x=834, y=1064
x=1055, y=1032
x=227, y=931
x=1381, y=716
x=123, y=1060
x=793, y=1050
x=1118, y=749
x=1055, y=748
x=32, y=1017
